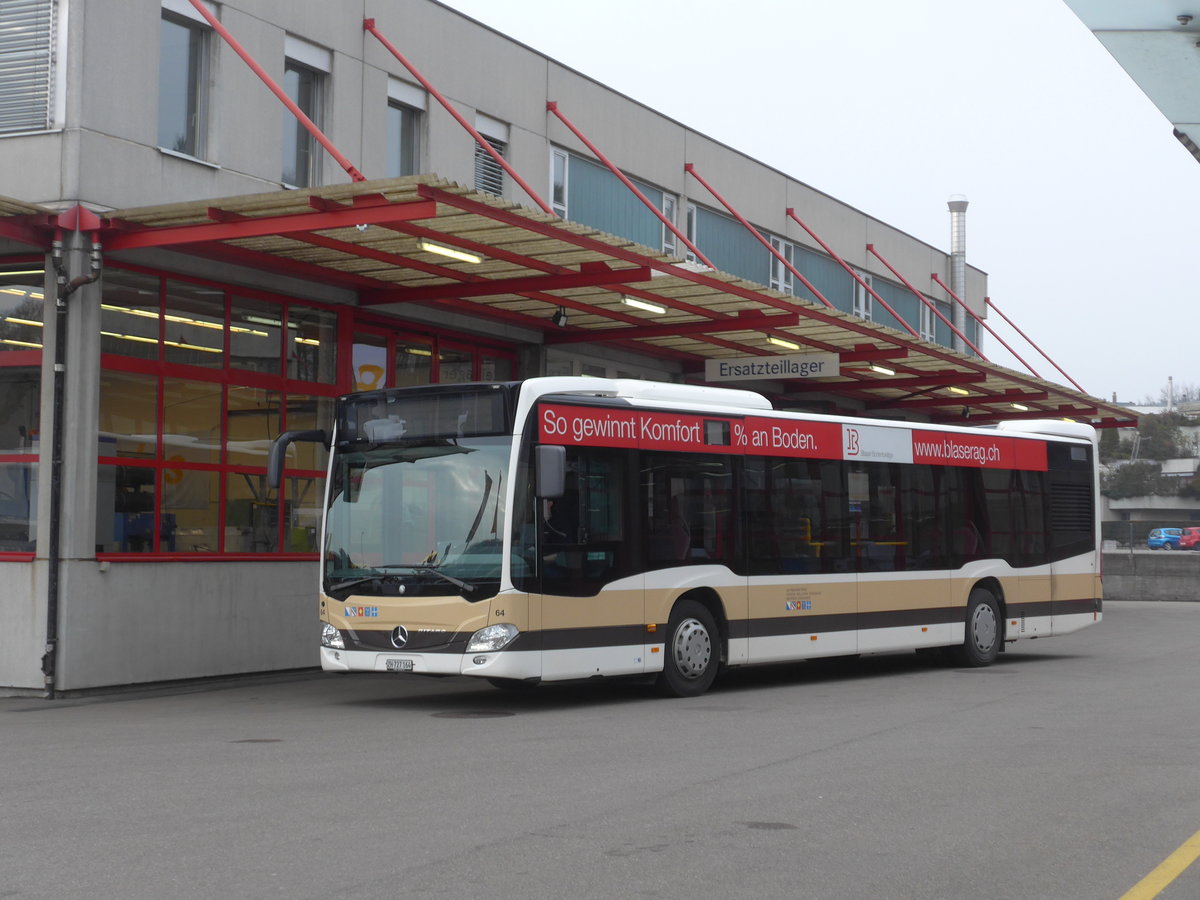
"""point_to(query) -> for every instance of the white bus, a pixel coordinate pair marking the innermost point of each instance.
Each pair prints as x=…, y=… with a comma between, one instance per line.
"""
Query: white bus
x=569, y=528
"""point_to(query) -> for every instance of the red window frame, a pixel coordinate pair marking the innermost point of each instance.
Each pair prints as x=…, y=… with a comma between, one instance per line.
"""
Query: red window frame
x=347, y=321
x=21, y=359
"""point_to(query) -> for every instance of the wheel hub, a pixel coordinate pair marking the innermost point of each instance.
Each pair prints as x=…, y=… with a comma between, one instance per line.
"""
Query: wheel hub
x=692, y=648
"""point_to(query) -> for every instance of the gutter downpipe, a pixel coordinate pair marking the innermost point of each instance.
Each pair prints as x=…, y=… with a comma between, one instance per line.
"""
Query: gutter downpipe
x=54, y=558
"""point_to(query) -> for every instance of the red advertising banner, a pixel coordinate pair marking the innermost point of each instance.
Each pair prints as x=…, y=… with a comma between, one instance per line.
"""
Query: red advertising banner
x=986, y=451
x=763, y=436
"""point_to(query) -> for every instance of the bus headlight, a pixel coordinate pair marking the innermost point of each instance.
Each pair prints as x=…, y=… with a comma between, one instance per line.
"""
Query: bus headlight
x=494, y=637
x=331, y=637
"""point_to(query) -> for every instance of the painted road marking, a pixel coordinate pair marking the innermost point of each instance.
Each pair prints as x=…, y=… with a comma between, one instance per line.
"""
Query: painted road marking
x=1170, y=869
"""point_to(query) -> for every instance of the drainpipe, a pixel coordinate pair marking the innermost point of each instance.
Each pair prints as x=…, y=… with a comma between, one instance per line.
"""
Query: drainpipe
x=64, y=290
x=958, y=264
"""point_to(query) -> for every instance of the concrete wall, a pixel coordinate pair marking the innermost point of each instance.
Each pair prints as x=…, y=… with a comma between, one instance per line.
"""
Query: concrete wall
x=137, y=622
x=22, y=623
x=1152, y=576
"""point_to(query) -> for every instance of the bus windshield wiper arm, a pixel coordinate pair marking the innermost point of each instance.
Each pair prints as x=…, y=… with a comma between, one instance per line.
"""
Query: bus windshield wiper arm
x=430, y=567
x=354, y=582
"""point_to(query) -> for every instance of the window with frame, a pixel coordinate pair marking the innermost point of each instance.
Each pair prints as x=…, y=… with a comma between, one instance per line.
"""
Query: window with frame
x=669, y=241
x=926, y=327
x=197, y=380
x=690, y=230
x=21, y=325
x=28, y=35
x=306, y=68
x=182, y=80
x=781, y=276
x=862, y=296
x=558, y=182
x=406, y=106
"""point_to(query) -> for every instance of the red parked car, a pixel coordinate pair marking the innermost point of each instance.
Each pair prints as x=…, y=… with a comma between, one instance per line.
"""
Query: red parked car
x=1190, y=539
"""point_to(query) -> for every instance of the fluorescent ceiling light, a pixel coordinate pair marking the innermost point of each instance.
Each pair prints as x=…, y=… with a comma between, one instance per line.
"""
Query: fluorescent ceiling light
x=460, y=255
x=4, y=272
x=22, y=292
x=882, y=370
x=644, y=304
x=23, y=321
x=17, y=343
x=960, y=391
x=309, y=341
x=1020, y=407
x=780, y=342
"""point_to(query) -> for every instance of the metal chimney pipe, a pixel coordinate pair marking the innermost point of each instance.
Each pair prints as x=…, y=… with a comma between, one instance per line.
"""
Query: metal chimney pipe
x=958, y=264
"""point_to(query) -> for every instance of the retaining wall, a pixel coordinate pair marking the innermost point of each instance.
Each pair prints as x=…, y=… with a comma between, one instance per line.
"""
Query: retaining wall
x=1165, y=575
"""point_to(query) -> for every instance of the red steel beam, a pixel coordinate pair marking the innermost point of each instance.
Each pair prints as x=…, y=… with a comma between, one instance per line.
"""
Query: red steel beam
x=988, y=301
x=279, y=92
x=552, y=106
x=1019, y=397
x=858, y=278
x=266, y=225
x=670, y=330
x=369, y=27
x=16, y=228
x=990, y=330
x=493, y=287
x=691, y=170
x=708, y=280
x=925, y=300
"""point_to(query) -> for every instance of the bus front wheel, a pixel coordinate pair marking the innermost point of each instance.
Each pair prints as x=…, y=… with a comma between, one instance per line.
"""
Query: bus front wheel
x=692, y=651
x=984, y=634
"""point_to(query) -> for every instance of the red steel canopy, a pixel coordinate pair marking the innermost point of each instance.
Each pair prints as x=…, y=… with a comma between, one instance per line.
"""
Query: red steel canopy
x=521, y=267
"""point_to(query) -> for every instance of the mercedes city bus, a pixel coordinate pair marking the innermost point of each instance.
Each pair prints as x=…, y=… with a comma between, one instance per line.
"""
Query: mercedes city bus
x=569, y=528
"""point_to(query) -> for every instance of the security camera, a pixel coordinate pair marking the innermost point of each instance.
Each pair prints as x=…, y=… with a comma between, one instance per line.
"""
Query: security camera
x=1184, y=20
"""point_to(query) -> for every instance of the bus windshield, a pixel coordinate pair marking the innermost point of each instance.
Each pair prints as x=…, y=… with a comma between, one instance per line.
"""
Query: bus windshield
x=418, y=518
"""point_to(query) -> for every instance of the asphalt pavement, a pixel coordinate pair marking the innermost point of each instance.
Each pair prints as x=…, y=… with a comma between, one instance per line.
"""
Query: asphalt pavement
x=1067, y=770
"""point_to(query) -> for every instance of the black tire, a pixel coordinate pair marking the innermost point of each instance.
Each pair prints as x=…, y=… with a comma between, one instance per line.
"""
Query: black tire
x=693, y=651
x=513, y=685
x=985, y=631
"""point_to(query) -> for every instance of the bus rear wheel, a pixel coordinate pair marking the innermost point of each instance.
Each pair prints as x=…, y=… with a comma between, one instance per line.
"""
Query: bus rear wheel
x=984, y=634
x=692, y=651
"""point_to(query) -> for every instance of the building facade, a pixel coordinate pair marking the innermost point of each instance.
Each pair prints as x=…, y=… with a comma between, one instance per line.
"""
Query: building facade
x=181, y=360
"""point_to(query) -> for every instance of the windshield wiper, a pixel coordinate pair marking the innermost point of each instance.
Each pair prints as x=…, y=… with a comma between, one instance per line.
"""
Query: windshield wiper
x=354, y=582
x=431, y=567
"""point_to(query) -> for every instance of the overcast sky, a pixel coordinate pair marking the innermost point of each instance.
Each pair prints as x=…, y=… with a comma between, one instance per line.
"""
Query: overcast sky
x=1082, y=203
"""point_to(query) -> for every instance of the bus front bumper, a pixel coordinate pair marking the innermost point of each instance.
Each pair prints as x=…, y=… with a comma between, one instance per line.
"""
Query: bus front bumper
x=497, y=664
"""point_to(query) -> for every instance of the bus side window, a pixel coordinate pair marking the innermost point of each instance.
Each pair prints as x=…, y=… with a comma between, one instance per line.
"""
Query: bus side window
x=583, y=545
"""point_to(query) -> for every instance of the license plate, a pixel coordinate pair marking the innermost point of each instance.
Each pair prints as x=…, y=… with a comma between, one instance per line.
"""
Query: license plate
x=399, y=665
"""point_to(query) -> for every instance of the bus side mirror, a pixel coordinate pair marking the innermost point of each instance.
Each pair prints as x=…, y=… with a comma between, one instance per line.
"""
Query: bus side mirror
x=279, y=451
x=551, y=466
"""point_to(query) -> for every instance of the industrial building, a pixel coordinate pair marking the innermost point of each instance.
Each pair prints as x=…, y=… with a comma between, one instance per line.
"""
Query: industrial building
x=188, y=268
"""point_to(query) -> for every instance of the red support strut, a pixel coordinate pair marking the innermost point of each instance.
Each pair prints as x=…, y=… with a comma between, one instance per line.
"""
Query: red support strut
x=369, y=26
x=932, y=306
x=691, y=170
x=988, y=302
x=792, y=215
x=275, y=89
x=552, y=106
x=989, y=328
